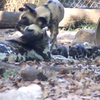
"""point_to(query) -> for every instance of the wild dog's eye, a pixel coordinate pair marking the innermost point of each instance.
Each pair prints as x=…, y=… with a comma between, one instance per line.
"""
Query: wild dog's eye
x=30, y=30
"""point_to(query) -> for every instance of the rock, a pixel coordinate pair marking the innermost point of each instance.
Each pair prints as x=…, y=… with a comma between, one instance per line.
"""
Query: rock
x=32, y=92
x=30, y=74
x=41, y=77
x=98, y=33
x=84, y=35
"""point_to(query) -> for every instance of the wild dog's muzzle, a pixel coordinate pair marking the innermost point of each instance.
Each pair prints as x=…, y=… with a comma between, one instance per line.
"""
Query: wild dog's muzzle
x=20, y=26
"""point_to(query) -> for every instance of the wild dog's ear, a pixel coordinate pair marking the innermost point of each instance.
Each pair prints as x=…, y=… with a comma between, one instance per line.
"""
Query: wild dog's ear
x=31, y=8
x=41, y=22
x=27, y=5
x=22, y=9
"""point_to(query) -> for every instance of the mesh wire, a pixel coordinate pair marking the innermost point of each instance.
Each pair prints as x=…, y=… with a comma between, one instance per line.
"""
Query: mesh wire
x=81, y=3
x=13, y=5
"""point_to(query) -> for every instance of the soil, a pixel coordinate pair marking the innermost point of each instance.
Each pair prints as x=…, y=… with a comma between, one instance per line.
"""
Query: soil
x=80, y=84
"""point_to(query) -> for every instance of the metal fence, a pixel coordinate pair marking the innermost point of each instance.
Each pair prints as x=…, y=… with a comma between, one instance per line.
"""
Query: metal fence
x=13, y=5
x=81, y=3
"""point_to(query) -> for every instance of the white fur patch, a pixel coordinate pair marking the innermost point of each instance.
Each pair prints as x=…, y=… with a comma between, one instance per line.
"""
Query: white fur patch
x=46, y=51
x=7, y=48
x=21, y=58
x=34, y=55
x=3, y=56
x=34, y=27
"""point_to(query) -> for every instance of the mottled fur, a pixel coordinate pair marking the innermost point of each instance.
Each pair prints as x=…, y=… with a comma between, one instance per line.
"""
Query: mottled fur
x=27, y=47
x=93, y=52
x=50, y=14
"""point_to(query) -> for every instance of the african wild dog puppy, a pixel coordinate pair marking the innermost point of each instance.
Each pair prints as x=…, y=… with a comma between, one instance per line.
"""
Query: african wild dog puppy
x=60, y=50
x=89, y=52
x=93, y=52
x=96, y=51
x=73, y=52
x=81, y=50
x=27, y=47
x=51, y=13
x=77, y=51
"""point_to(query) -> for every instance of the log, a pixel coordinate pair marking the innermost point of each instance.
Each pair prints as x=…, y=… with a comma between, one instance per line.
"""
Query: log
x=71, y=16
x=97, y=35
x=8, y=66
x=58, y=68
x=74, y=15
x=8, y=19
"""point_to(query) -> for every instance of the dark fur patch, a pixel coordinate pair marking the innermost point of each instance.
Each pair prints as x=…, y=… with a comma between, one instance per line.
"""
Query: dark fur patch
x=60, y=9
x=25, y=21
x=50, y=20
x=77, y=51
x=61, y=50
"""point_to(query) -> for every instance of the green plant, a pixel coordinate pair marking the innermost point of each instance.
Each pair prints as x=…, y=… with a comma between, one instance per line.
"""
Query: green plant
x=81, y=25
x=8, y=73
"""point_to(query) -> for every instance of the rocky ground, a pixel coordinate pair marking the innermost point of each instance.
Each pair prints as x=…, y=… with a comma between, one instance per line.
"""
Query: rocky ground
x=61, y=78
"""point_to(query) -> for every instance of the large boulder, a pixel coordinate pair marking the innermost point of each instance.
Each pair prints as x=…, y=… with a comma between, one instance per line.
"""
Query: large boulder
x=84, y=35
x=98, y=33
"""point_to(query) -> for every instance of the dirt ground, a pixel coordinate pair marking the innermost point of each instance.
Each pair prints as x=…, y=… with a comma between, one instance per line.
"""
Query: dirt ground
x=83, y=83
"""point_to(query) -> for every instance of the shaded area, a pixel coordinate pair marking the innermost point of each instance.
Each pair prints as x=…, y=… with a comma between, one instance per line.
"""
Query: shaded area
x=8, y=19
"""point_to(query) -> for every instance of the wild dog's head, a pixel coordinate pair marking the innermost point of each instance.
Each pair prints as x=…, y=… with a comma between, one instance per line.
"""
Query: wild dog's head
x=34, y=40
x=29, y=16
x=32, y=34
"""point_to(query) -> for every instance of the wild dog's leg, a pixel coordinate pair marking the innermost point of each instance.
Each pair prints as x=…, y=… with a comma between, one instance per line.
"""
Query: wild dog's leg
x=53, y=35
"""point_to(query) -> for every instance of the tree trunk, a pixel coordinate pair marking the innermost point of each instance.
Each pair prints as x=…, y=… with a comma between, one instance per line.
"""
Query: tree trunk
x=8, y=19
x=98, y=33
